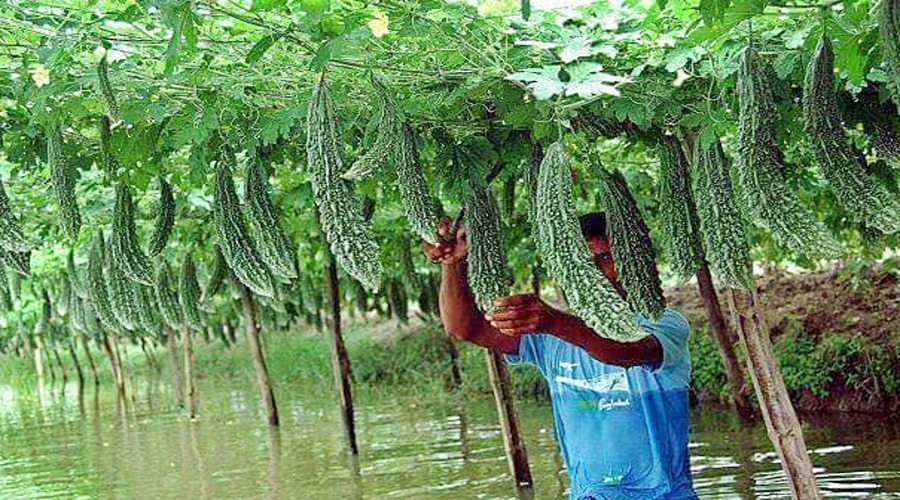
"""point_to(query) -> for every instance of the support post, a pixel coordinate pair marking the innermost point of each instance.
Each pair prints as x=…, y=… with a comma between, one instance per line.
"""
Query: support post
x=256, y=353
x=775, y=405
x=340, y=363
x=177, y=369
x=190, y=388
x=74, y=355
x=516, y=456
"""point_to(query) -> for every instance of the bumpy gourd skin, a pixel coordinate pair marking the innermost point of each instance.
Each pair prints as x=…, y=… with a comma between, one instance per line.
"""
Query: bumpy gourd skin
x=122, y=295
x=63, y=179
x=97, y=290
x=889, y=26
x=17, y=262
x=112, y=107
x=167, y=298
x=124, y=249
x=762, y=188
x=189, y=293
x=234, y=240
x=385, y=149
x=275, y=247
x=844, y=168
x=165, y=218
x=488, y=275
x=216, y=276
x=422, y=210
x=340, y=210
x=590, y=295
x=631, y=247
x=680, y=227
x=6, y=303
x=12, y=239
x=721, y=224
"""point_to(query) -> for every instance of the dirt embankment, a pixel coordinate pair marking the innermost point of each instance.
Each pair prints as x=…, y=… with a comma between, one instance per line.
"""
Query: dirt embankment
x=858, y=309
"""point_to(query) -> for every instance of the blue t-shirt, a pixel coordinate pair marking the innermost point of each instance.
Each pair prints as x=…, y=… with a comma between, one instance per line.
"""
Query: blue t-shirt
x=622, y=432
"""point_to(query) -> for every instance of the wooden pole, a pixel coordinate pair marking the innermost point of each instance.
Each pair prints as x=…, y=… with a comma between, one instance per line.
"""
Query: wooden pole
x=781, y=420
x=340, y=363
x=259, y=359
x=59, y=363
x=112, y=354
x=190, y=388
x=90, y=358
x=724, y=340
x=177, y=368
x=516, y=456
x=74, y=355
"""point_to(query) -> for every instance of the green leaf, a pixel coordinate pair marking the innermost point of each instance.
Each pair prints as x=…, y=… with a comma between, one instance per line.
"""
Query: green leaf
x=713, y=11
x=315, y=7
x=543, y=82
x=262, y=5
x=261, y=47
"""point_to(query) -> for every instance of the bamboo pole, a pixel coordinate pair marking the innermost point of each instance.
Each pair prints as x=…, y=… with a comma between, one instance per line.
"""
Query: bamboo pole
x=251, y=328
x=516, y=456
x=778, y=413
x=340, y=363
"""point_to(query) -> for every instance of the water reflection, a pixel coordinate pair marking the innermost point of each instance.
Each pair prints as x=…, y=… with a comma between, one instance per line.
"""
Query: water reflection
x=65, y=442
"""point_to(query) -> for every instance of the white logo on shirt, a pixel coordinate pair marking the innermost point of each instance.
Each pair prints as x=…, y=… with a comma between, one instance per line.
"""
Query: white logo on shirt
x=568, y=366
x=616, y=381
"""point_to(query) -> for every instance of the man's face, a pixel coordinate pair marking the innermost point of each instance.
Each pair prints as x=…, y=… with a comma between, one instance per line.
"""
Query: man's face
x=603, y=258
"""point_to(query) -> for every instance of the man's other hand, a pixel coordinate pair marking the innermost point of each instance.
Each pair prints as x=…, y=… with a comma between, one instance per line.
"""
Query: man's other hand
x=449, y=249
x=518, y=315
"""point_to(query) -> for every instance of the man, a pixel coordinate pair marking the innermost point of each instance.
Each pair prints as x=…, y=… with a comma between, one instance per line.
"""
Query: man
x=620, y=409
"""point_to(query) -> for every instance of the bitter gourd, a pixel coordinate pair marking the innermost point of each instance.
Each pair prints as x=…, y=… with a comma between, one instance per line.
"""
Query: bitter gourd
x=189, y=294
x=562, y=247
x=165, y=218
x=97, y=291
x=889, y=26
x=721, y=224
x=167, y=297
x=122, y=294
x=124, y=249
x=631, y=246
x=844, y=168
x=234, y=240
x=488, y=275
x=385, y=149
x=112, y=107
x=63, y=179
x=6, y=302
x=421, y=208
x=12, y=239
x=340, y=211
x=275, y=247
x=217, y=275
x=17, y=262
x=680, y=227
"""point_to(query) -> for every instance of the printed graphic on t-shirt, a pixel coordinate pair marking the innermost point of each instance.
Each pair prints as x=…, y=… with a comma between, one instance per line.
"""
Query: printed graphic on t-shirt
x=604, y=392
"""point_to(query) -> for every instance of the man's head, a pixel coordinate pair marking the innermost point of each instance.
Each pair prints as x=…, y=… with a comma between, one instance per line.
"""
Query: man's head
x=593, y=228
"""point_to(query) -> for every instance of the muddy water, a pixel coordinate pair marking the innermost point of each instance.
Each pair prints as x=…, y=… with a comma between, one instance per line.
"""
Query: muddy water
x=59, y=444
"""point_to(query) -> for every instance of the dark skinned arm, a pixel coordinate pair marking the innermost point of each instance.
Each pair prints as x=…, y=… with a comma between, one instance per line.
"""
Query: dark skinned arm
x=460, y=315
x=523, y=314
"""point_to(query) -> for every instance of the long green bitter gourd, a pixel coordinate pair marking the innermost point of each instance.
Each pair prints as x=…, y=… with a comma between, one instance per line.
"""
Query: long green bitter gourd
x=217, y=275
x=234, y=239
x=680, y=227
x=124, y=248
x=422, y=209
x=275, y=247
x=488, y=275
x=112, y=107
x=122, y=294
x=385, y=149
x=189, y=293
x=165, y=218
x=844, y=168
x=340, y=210
x=760, y=169
x=75, y=275
x=63, y=179
x=97, y=291
x=17, y=262
x=631, y=246
x=12, y=239
x=6, y=302
x=721, y=224
x=563, y=250
x=889, y=26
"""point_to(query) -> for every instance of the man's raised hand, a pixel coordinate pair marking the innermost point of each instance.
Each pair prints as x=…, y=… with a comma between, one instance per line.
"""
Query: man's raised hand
x=449, y=249
x=520, y=315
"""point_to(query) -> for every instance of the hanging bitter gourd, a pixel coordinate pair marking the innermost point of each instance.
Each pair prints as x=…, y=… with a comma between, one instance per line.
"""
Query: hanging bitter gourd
x=889, y=25
x=488, y=275
x=721, y=224
x=122, y=295
x=680, y=226
x=234, y=239
x=17, y=262
x=165, y=218
x=95, y=285
x=63, y=179
x=843, y=167
x=189, y=294
x=112, y=107
x=149, y=319
x=385, y=149
x=217, y=275
x=75, y=277
x=631, y=246
x=12, y=239
x=760, y=169
x=6, y=302
x=563, y=250
x=124, y=249
x=340, y=211
x=421, y=208
x=167, y=298
x=275, y=247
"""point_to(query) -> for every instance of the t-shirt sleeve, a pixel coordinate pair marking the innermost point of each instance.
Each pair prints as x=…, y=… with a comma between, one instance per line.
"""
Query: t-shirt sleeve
x=672, y=332
x=532, y=350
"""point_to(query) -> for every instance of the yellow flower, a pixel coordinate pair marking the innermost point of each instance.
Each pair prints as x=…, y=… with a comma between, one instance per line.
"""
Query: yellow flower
x=379, y=26
x=40, y=75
